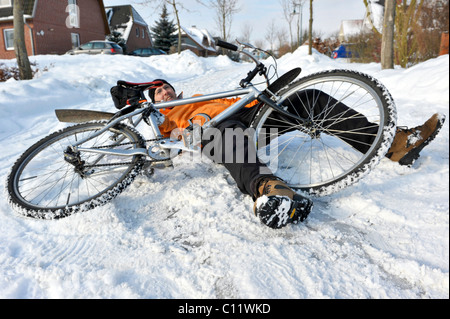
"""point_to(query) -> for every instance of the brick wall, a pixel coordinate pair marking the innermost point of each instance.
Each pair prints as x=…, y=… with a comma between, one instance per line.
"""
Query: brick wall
x=51, y=35
x=444, y=44
x=9, y=54
x=135, y=42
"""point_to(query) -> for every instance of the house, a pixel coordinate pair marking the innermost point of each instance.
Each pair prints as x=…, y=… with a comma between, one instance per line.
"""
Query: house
x=133, y=29
x=350, y=28
x=198, y=41
x=53, y=26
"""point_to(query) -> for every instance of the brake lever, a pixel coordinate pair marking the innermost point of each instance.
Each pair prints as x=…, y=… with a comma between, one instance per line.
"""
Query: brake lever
x=248, y=45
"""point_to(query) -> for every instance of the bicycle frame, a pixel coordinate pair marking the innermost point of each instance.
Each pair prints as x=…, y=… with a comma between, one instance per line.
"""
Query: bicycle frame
x=247, y=89
x=250, y=94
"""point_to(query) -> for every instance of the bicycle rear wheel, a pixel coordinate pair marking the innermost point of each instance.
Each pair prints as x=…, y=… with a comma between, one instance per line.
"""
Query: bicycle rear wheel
x=42, y=184
x=350, y=122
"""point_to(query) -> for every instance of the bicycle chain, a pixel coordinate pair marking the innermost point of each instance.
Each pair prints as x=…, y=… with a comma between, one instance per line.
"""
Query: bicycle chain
x=128, y=163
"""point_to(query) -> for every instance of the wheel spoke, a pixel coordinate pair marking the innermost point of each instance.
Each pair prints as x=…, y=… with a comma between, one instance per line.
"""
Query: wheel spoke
x=42, y=182
x=340, y=138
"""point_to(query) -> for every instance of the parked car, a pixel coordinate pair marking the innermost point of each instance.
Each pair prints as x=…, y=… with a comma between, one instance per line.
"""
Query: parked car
x=345, y=51
x=147, y=52
x=97, y=47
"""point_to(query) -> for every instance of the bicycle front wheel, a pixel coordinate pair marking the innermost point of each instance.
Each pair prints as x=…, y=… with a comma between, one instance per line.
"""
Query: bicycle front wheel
x=349, y=124
x=42, y=184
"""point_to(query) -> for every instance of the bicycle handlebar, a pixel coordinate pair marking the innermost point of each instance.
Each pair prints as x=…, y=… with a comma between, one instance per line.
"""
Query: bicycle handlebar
x=226, y=45
x=260, y=68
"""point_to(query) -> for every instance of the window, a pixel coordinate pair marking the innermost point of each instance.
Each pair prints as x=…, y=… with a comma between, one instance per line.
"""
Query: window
x=8, y=34
x=99, y=45
x=87, y=46
x=75, y=37
x=143, y=33
x=73, y=20
x=137, y=32
x=5, y=3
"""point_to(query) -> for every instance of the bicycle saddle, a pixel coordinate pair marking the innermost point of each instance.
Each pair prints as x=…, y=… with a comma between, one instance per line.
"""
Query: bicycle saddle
x=140, y=86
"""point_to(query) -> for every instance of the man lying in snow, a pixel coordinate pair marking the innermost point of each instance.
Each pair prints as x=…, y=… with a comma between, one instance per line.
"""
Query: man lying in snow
x=275, y=203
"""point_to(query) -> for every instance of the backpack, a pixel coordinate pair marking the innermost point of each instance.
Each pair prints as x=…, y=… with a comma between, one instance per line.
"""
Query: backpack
x=123, y=95
x=126, y=93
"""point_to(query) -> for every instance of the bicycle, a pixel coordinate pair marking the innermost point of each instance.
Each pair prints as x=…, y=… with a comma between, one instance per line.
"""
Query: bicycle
x=89, y=163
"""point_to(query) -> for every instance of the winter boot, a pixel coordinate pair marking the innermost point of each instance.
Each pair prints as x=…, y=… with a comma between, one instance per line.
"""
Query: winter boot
x=408, y=143
x=277, y=204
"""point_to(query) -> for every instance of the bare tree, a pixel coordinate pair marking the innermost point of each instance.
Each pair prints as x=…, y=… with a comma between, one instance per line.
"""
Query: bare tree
x=407, y=17
x=225, y=10
x=281, y=37
x=271, y=32
x=387, y=42
x=20, y=49
x=283, y=42
x=310, y=27
x=246, y=33
x=176, y=5
x=259, y=43
x=288, y=12
x=433, y=23
x=299, y=4
x=370, y=18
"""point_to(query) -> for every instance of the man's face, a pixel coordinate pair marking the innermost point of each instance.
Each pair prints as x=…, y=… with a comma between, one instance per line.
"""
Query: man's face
x=164, y=93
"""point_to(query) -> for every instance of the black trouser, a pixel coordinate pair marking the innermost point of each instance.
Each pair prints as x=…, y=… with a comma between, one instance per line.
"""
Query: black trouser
x=335, y=118
x=246, y=173
x=244, y=166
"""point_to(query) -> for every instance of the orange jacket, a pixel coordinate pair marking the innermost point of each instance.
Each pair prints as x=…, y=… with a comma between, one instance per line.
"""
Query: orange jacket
x=178, y=116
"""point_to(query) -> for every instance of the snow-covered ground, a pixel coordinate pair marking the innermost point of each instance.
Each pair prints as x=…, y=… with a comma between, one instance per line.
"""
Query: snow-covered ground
x=190, y=233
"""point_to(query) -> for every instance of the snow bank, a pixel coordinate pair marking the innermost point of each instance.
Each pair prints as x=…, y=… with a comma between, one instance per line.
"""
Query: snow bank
x=189, y=232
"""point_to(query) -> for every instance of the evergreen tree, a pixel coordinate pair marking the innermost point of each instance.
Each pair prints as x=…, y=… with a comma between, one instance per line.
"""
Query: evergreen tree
x=163, y=32
x=116, y=37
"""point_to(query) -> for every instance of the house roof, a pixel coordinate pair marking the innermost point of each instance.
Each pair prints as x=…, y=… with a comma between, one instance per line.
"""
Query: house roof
x=119, y=15
x=373, y=19
x=28, y=7
x=121, y=19
x=105, y=20
x=351, y=27
x=201, y=37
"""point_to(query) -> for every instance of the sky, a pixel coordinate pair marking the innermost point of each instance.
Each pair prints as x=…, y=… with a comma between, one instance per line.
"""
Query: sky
x=258, y=14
